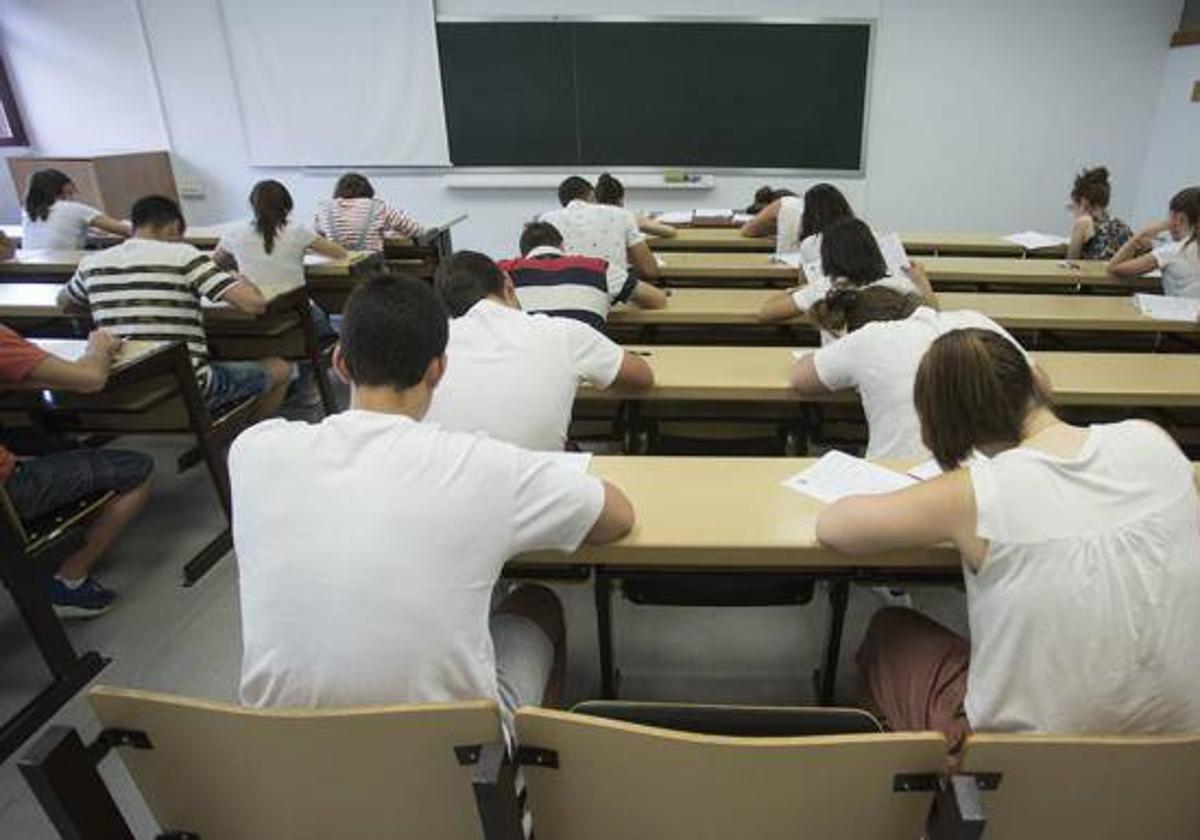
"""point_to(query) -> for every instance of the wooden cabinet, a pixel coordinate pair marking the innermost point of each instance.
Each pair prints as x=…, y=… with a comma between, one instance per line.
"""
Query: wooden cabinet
x=111, y=183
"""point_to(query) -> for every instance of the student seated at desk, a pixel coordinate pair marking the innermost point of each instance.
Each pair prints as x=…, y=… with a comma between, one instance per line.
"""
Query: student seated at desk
x=1095, y=235
x=370, y=544
x=53, y=220
x=883, y=335
x=611, y=193
x=849, y=256
x=149, y=287
x=1080, y=552
x=1179, y=260
x=513, y=375
x=764, y=197
x=610, y=233
x=270, y=248
x=357, y=220
x=554, y=283
x=780, y=217
x=47, y=483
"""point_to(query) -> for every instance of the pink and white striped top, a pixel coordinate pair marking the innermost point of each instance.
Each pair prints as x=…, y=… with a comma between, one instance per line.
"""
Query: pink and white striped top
x=359, y=224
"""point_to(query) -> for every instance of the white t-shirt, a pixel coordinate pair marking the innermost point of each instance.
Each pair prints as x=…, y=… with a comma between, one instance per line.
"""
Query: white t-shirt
x=282, y=268
x=599, y=230
x=368, y=545
x=64, y=228
x=1085, y=616
x=818, y=285
x=513, y=375
x=1180, y=266
x=881, y=359
x=787, y=224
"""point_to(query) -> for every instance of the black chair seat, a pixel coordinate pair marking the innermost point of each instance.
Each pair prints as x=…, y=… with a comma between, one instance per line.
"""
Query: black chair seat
x=718, y=590
x=737, y=721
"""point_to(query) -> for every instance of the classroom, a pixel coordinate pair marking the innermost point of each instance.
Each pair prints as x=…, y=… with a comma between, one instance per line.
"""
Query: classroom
x=494, y=420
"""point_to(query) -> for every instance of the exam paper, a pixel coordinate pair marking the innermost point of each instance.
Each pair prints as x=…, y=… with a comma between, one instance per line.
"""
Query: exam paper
x=837, y=475
x=740, y=219
x=1167, y=308
x=1031, y=240
x=893, y=253
x=676, y=217
x=926, y=470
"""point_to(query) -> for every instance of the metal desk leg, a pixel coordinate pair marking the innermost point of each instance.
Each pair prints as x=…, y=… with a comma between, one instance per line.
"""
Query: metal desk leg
x=603, y=584
x=839, y=595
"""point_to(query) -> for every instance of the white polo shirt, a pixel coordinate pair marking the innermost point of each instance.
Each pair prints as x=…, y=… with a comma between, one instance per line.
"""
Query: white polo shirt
x=64, y=228
x=881, y=359
x=368, y=545
x=1180, y=266
x=788, y=224
x=513, y=376
x=282, y=268
x=599, y=230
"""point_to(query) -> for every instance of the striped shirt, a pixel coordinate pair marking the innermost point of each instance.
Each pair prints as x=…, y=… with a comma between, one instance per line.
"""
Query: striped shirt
x=359, y=224
x=150, y=290
x=553, y=284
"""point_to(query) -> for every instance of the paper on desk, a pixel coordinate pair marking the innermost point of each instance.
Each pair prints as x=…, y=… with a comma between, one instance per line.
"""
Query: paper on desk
x=711, y=213
x=1031, y=240
x=742, y=218
x=791, y=258
x=675, y=217
x=1167, y=308
x=925, y=471
x=837, y=475
x=893, y=252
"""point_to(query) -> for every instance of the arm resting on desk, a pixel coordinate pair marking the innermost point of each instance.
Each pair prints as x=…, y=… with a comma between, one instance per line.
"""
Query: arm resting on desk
x=328, y=248
x=87, y=375
x=642, y=261
x=648, y=296
x=764, y=221
x=110, y=225
x=633, y=373
x=655, y=227
x=247, y=297
x=616, y=518
x=780, y=306
x=805, y=379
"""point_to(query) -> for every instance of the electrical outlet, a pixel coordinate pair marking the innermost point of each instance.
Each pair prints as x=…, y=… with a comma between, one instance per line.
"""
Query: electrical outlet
x=191, y=189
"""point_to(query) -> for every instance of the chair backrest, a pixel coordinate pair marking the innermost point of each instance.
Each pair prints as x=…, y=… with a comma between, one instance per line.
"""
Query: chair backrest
x=220, y=770
x=617, y=779
x=1099, y=788
x=739, y=721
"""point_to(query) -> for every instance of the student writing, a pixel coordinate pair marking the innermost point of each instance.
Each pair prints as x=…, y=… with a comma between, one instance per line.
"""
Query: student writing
x=53, y=220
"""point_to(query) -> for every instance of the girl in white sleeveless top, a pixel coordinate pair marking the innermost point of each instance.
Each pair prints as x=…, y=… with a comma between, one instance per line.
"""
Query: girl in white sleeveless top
x=1081, y=554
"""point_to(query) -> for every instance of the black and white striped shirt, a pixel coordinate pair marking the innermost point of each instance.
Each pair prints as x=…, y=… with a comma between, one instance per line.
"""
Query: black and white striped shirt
x=150, y=290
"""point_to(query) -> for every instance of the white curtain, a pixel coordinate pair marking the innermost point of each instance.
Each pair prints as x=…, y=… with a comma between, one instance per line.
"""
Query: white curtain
x=341, y=83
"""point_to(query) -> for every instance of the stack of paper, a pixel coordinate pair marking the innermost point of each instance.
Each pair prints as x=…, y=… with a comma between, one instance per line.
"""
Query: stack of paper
x=711, y=216
x=1031, y=240
x=837, y=475
x=791, y=258
x=1165, y=308
x=740, y=219
x=676, y=217
x=893, y=253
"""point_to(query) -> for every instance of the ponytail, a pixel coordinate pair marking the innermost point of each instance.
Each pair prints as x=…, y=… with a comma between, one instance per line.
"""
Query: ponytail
x=271, y=203
x=974, y=388
x=45, y=187
x=847, y=308
x=1187, y=202
x=609, y=190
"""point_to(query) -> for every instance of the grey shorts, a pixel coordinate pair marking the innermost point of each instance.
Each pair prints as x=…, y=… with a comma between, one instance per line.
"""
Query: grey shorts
x=524, y=660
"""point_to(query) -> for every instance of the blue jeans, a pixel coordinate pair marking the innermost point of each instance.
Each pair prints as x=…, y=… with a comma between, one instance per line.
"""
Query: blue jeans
x=44, y=484
x=232, y=382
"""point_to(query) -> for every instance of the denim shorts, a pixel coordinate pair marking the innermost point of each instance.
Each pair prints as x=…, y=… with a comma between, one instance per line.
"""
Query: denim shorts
x=44, y=484
x=231, y=382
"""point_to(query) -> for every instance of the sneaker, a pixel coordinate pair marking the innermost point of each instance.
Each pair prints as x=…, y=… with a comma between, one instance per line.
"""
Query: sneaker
x=88, y=599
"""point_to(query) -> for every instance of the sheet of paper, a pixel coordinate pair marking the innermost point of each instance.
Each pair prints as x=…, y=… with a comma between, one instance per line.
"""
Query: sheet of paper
x=661, y=262
x=1165, y=308
x=791, y=258
x=893, y=252
x=800, y=354
x=709, y=214
x=571, y=460
x=837, y=475
x=926, y=470
x=675, y=217
x=741, y=218
x=1031, y=240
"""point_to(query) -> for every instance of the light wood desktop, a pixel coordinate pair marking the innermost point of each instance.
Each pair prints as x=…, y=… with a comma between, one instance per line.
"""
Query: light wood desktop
x=944, y=243
x=56, y=266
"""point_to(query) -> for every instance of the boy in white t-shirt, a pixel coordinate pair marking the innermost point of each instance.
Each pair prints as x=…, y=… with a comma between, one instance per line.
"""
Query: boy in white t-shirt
x=369, y=544
x=513, y=375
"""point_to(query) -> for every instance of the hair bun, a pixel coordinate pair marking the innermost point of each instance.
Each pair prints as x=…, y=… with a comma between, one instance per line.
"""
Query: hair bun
x=1098, y=174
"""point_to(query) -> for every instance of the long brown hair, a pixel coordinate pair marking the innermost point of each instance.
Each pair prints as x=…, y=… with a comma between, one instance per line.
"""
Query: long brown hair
x=272, y=203
x=824, y=204
x=1187, y=202
x=1091, y=185
x=45, y=187
x=846, y=307
x=974, y=388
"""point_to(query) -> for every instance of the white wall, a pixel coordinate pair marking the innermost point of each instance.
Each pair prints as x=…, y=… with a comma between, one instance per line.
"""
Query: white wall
x=980, y=111
x=1173, y=155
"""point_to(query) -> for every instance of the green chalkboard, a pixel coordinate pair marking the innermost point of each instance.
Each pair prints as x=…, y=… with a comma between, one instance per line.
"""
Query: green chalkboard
x=555, y=93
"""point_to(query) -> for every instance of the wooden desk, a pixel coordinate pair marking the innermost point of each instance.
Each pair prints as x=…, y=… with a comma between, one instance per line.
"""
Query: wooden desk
x=943, y=243
x=716, y=269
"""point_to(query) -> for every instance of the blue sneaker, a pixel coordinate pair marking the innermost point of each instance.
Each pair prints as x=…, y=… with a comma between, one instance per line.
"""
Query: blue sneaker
x=88, y=599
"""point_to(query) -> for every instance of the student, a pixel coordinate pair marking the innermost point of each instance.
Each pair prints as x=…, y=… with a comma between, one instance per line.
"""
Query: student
x=849, y=256
x=884, y=335
x=781, y=217
x=41, y=485
x=513, y=375
x=611, y=193
x=149, y=287
x=53, y=220
x=1079, y=549
x=596, y=230
x=1180, y=260
x=765, y=196
x=553, y=283
x=269, y=249
x=1095, y=235
x=369, y=544
x=357, y=220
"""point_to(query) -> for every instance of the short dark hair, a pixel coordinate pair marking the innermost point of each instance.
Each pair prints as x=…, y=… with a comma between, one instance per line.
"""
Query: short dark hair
x=155, y=211
x=849, y=252
x=465, y=279
x=974, y=388
x=1187, y=202
x=538, y=234
x=573, y=188
x=824, y=205
x=1091, y=185
x=353, y=185
x=765, y=196
x=392, y=328
x=851, y=307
